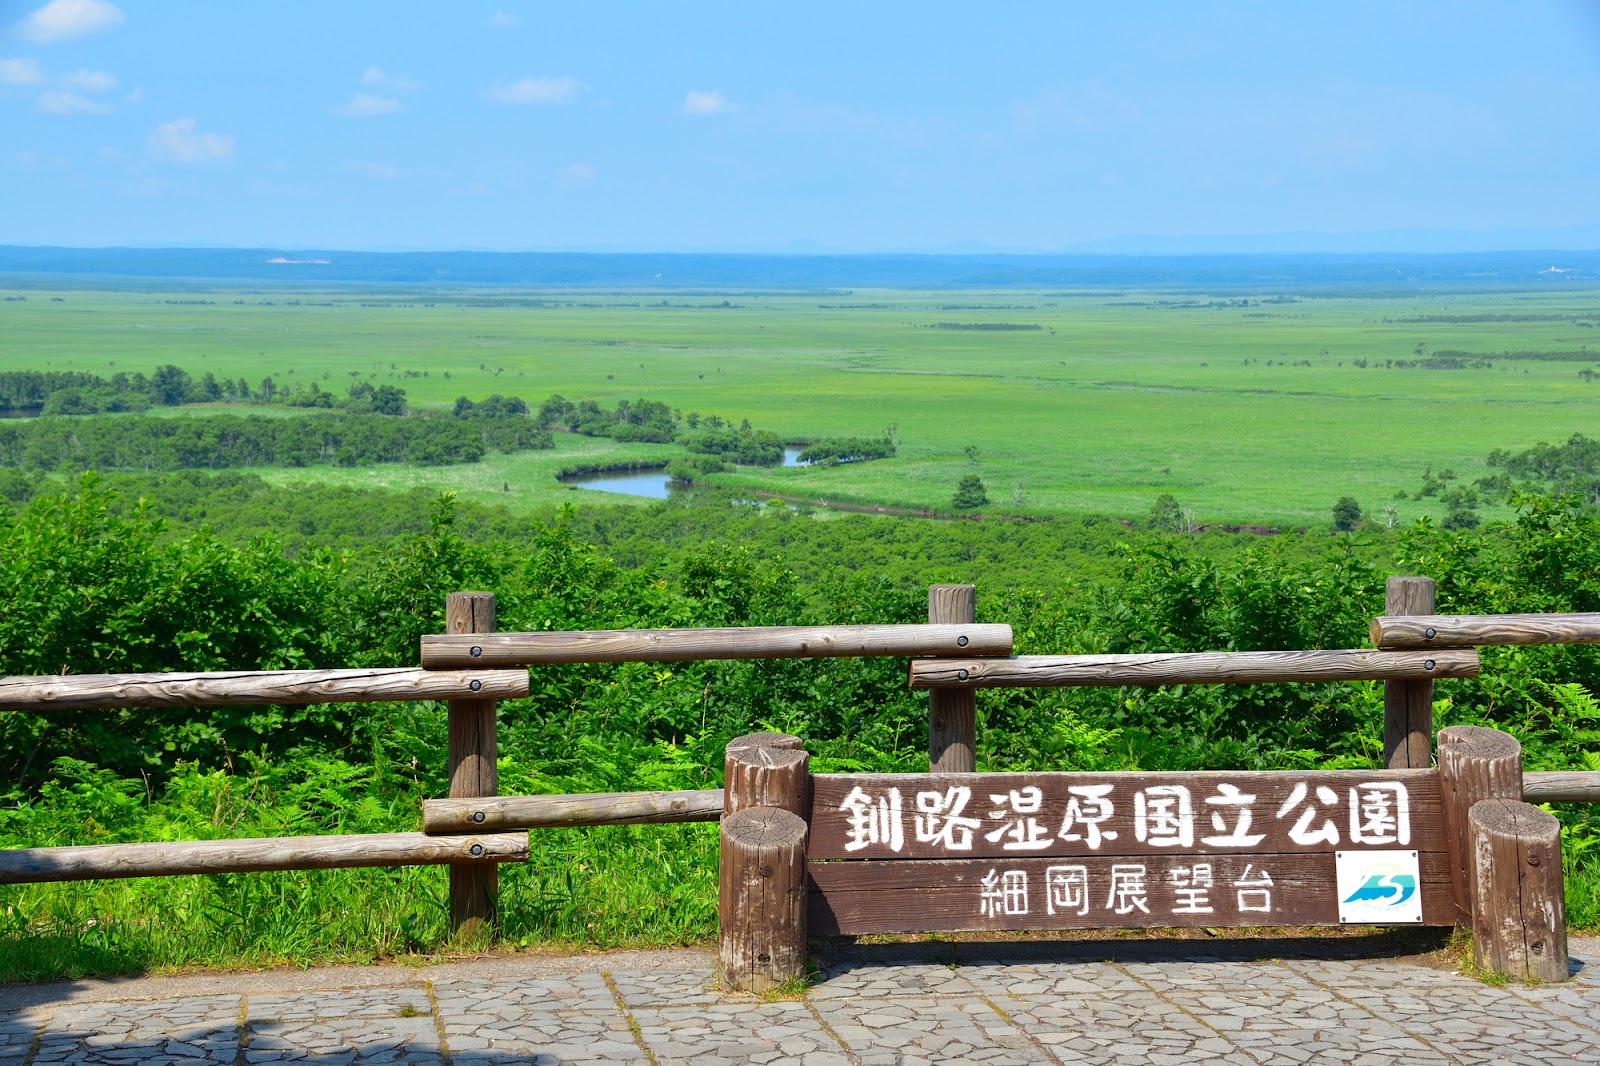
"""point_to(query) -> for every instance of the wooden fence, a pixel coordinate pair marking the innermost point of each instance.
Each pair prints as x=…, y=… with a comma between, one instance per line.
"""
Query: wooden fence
x=790, y=840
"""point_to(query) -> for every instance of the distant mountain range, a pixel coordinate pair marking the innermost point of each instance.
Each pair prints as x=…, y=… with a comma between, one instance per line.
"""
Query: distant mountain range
x=20, y=264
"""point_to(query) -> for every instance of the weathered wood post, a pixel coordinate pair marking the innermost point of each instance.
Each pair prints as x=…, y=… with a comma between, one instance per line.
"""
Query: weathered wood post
x=1475, y=764
x=1408, y=705
x=1519, y=910
x=474, y=889
x=1505, y=856
x=766, y=770
x=762, y=880
x=952, y=712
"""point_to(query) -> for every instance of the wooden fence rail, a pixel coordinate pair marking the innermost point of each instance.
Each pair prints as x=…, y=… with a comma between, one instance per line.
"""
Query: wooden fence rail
x=1193, y=668
x=583, y=809
x=226, y=688
x=679, y=645
x=253, y=855
x=1462, y=630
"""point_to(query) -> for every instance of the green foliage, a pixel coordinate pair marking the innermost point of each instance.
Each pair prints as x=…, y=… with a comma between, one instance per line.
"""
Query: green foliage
x=847, y=450
x=1346, y=514
x=970, y=494
x=217, y=442
x=746, y=446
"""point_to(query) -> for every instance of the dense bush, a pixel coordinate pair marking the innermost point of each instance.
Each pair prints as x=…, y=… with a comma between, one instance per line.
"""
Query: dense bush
x=218, y=442
x=846, y=450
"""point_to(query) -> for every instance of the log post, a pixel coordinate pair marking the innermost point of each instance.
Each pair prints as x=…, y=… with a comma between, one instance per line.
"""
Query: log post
x=1475, y=764
x=1408, y=705
x=473, y=889
x=952, y=712
x=766, y=770
x=1519, y=913
x=762, y=899
x=761, y=913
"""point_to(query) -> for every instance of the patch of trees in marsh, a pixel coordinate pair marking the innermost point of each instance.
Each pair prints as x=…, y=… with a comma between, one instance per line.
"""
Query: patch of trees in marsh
x=225, y=441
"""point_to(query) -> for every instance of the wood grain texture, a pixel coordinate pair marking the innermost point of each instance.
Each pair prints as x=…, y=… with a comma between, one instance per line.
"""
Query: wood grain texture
x=550, y=812
x=472, y=761
x=1519, y=918
x=1561, y=786
x=952, y=712
x=1408, y=705
x=949, y=895
x=1194, y=668
x=249, y=855
x=678, y=645
x=1475, y=764
x=227, y=688
x=757, y=773
x=916, y=816
x=1464, y=630
x=761, y=911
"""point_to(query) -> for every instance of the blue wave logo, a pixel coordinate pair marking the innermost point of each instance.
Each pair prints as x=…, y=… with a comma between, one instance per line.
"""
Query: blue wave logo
x=1384, y=890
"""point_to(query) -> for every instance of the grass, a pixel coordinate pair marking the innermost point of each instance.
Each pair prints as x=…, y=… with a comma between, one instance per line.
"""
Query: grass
x=610, y=887
x=1112, y=402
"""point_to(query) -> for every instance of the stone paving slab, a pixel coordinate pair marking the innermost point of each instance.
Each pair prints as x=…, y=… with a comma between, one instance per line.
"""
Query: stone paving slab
x=1139, y=1002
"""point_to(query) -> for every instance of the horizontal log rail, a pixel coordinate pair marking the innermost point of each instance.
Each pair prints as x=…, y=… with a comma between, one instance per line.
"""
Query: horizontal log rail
x=254, y=855
x=1194, y=668
x=1560, y=786
x=236, y=687
x=552, y=812
x=1467, y=630
x=679, y=645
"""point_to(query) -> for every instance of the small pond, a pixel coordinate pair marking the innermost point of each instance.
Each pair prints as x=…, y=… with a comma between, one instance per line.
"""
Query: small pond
x=649, y=483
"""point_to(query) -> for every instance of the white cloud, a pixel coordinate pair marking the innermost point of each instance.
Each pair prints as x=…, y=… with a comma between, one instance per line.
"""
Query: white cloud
x=20, y=72
x=136, y=96
x=90, y=81
x=708, y=103
x=363, y=105
x=502, y=20
x=67, y=20
x=178, y=141
x=535, y=91
x=376, y=76
x=61, y=102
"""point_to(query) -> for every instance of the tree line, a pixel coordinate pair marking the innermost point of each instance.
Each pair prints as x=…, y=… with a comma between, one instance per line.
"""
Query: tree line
x=226, y=441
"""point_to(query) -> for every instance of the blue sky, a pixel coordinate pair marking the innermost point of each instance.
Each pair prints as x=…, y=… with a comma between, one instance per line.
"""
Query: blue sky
x=801, y=127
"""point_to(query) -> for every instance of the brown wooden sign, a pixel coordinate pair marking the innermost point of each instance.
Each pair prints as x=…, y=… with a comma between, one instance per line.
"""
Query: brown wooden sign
x=1076, y=850
x=1097, y=892
x=961, y=816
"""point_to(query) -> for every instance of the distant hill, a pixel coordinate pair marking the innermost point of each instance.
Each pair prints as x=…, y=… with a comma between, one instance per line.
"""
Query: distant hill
x=679, y=271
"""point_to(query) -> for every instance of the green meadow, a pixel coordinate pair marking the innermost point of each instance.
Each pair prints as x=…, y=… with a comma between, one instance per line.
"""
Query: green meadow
x=1248, y=408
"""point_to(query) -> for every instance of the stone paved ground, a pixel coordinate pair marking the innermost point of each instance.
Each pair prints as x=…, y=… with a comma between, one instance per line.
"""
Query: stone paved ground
x=1158, y=1002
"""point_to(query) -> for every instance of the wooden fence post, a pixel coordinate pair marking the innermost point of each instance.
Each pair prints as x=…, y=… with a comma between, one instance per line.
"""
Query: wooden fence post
x=1408, y=705
x=472, y=753
x=952, y=712
x=1475, y=764
x=762, y=881
x=766, y=770
x=1519, y=912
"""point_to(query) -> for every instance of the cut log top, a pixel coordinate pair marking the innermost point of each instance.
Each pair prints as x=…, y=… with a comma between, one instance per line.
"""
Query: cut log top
x=249, y=855
x=235, y=687
x=1197, y=668
x=1466, y=630
x=677, y=645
